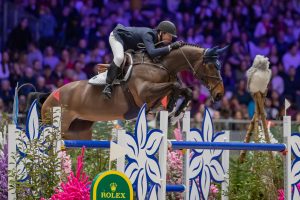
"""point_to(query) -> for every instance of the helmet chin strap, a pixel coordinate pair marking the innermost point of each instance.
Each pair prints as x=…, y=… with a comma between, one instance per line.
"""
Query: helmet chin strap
x=160, y=37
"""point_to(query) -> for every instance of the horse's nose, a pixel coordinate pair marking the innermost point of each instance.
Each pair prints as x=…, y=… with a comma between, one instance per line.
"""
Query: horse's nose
x=218, y=97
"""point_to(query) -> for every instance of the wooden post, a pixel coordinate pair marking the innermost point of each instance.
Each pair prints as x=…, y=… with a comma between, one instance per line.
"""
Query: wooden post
x=253, y=127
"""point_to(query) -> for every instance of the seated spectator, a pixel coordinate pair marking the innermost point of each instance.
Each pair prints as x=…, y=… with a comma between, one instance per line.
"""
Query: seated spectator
x=261, y=49
x=264, y=27
x=41, y=85
x=230, y=25
x=22, y=104
x=15, y=74
x=49, y=78
x=20, y=37
x=241, y=93
x=32, y=8
x=291, y=83
x=34, y=54
x=78, y=67
x=37, y=67
x=245, y=43
x=50, y=58
x=69, y=76
x=241, y=71
x=276, y=100
x=277, y=81
x=65, y=58
x=82, y=46
x=7, y=94
x=208, y=43
x=4, y=66
x=228, y=78
x=47, y=26
x=234, y=104
x=235, y=57
x=58, y=72
x=291, y=58
x=29, y=77
x=273, y=56
x=225, y=109
x=281, y=42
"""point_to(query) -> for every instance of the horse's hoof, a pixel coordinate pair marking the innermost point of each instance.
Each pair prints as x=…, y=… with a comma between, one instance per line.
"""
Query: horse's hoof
x=172, y=113
x=175, y=119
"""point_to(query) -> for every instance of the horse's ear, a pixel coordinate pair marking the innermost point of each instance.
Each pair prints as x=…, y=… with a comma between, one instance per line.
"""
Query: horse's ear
x=212, y=51
x=219, y=51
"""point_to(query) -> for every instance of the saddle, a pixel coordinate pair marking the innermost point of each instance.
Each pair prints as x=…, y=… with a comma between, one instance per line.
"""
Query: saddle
x=123, y=73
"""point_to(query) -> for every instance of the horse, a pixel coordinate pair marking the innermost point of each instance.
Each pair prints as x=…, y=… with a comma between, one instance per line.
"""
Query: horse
x=83, y=104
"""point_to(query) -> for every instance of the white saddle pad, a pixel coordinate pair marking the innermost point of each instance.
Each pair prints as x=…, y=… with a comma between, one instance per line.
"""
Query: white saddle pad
x=100, y=79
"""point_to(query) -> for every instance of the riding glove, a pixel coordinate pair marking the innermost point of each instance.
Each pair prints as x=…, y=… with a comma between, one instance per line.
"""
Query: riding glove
x=176, y=45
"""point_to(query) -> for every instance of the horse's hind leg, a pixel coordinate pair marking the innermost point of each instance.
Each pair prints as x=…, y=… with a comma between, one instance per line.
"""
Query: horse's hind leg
x=66, y=120
x=81, y=129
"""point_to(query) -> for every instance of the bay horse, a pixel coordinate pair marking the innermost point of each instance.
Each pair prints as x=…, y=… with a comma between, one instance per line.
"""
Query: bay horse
x=83, y=104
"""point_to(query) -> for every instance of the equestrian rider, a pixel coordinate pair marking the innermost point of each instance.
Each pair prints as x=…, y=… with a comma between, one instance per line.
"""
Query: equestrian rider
x=123, y=38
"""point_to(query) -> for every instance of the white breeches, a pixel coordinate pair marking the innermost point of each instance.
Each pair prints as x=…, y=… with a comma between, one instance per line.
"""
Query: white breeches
x=117, y=49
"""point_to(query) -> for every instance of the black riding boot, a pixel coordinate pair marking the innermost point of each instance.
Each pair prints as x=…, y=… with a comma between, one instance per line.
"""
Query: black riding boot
x=111, y=75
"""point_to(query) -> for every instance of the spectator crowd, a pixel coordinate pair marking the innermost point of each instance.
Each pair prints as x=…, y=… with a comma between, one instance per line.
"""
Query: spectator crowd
x=73, y=38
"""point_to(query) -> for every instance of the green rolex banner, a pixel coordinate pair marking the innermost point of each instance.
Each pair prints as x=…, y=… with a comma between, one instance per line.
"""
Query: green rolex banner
x=111, y=185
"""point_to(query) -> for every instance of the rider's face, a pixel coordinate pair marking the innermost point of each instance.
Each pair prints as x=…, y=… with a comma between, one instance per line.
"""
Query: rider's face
x=167, y=38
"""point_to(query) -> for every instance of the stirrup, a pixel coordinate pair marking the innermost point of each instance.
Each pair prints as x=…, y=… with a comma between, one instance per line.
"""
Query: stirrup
x=107, y=91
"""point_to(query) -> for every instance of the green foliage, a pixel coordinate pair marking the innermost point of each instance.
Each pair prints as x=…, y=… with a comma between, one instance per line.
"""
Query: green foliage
x=129, y=126
x=259, y=177
x=43, y=168
x=295, y=128
x=96, y=160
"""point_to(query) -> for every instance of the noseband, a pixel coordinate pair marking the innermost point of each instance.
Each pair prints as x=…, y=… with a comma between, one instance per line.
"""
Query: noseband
x=203, y=76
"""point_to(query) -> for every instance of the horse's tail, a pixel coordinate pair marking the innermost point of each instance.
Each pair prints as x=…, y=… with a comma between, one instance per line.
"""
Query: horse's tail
x=41, y=98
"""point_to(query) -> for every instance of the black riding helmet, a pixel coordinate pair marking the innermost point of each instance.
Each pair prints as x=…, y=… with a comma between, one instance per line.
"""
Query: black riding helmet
x=168, y=27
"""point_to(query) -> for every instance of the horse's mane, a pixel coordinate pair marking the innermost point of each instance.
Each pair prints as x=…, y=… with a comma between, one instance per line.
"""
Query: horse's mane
x=192, y=45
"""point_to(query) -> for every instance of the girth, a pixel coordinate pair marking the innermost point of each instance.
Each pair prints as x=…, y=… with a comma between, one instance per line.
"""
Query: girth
x=133, y=108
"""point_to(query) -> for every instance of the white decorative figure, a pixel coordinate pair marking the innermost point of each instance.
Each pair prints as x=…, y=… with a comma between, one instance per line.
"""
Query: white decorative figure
x=259, y=74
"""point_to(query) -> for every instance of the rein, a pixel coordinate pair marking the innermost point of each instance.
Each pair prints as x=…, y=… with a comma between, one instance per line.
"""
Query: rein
x=200, y=75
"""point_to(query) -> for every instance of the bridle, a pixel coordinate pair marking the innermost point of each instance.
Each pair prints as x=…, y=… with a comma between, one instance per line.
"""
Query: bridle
x=203, y=76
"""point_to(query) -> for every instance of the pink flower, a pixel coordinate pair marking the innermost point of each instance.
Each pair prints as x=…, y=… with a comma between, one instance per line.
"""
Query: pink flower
x=174, y=172
x=298, y=186
x=280, y=194
x=177, y=134
x=214, y=189
x=66, y=162
x=77, y=187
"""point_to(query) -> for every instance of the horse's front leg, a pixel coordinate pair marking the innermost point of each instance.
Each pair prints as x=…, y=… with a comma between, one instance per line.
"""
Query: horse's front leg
x=188, y=95
x=150, y=93
x=176, y=92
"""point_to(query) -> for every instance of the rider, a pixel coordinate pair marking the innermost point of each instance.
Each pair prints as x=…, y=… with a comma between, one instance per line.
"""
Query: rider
x=123, y=38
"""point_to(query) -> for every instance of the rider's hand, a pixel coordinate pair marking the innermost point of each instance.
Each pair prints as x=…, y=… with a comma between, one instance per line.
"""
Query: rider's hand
x=176, y=45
